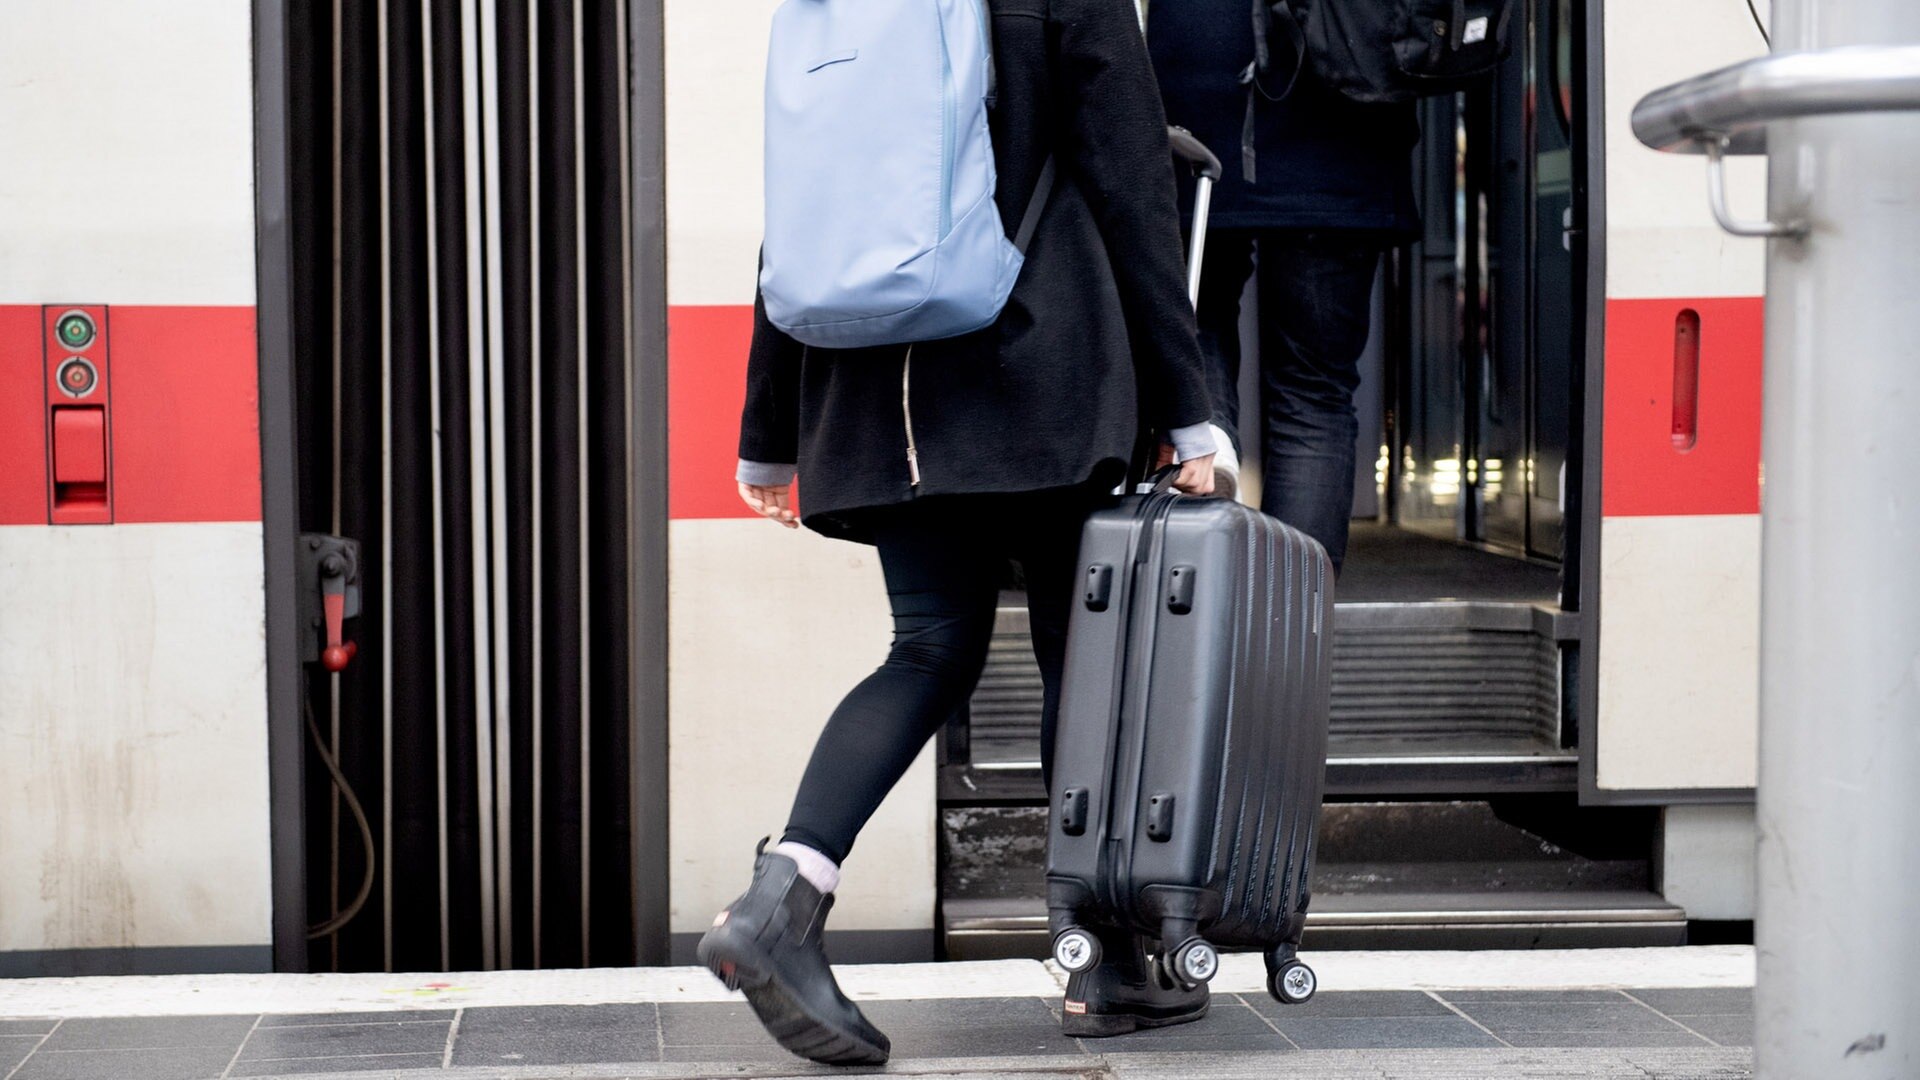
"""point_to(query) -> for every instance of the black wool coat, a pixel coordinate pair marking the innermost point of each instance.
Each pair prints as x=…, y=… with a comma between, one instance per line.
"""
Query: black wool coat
x=1096, y=342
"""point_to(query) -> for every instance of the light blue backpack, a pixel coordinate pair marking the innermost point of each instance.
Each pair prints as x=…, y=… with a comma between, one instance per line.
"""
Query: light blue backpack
x=881, y=228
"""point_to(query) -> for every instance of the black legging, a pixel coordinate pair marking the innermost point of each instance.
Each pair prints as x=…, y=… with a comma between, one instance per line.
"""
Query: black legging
x=944, y=561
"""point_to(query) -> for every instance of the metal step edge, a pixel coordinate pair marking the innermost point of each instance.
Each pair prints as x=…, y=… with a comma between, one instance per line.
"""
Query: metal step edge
x=1571, y=917
x=1368, y=760
x=1546, y=620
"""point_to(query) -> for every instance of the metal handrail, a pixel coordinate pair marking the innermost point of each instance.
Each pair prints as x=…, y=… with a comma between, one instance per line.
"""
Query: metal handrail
x=1726, y=111
x=1732, y=106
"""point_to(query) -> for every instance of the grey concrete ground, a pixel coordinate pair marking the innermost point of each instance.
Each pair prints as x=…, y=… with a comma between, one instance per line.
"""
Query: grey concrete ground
x=1722, y=1064
x=1481, y=1034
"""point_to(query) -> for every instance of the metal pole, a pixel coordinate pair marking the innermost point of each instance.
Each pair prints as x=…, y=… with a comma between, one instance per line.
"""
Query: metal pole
x=1839, y=795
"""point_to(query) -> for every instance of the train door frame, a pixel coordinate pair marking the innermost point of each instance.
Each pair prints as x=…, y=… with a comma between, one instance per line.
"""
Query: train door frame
x=647, y=505
x=1582, y=592
x=279, y=482
x=1581, y=584
x=646, y=457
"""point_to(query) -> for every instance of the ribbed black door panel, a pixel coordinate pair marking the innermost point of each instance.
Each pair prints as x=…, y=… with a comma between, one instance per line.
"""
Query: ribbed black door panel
x=462, y=338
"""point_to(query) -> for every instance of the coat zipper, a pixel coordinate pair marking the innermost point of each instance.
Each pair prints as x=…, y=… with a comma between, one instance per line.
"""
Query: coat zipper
x=906, y=414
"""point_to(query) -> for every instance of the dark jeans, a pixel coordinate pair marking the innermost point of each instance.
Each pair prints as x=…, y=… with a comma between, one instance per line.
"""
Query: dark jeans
x=944, y=561
x=1315, y=297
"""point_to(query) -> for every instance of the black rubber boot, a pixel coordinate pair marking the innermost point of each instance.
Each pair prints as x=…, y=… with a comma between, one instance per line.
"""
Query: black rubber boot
x=767, y=945
x=1123, y=993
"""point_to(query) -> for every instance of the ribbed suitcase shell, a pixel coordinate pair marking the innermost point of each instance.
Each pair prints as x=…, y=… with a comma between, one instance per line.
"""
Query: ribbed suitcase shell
x=1194, y=719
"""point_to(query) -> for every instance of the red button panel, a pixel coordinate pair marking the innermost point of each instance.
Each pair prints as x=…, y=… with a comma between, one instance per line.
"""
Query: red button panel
x=79, y=415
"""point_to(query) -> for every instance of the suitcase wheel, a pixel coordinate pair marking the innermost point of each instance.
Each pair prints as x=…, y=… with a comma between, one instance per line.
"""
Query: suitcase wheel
x=1076, y=950
x=1193, y=963
x=1293, y=983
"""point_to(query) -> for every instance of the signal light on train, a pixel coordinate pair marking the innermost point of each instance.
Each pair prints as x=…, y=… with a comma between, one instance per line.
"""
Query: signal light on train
x=77, y=377
x=75, y=330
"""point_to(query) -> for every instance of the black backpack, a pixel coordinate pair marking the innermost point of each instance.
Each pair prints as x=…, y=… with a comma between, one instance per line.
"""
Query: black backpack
x=1373, y=50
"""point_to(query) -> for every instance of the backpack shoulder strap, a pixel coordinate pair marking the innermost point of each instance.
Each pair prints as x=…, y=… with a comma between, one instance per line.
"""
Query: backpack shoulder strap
x=1042, y=187
x=1270, y=17
x=993, y=64
x=1036, y=205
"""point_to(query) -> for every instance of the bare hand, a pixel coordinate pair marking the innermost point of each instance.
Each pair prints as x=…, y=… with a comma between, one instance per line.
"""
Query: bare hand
x=1196, y=474
x=775, y=503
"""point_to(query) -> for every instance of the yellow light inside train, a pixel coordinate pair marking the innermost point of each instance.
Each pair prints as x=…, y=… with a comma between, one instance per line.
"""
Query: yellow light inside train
x=74, y=330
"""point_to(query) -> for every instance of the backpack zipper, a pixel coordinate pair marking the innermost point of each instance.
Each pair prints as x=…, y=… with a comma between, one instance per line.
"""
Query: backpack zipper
x=906, y=414
x=948, y=123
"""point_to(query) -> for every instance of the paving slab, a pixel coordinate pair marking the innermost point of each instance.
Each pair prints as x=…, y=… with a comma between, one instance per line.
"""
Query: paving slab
x=1386, y=1033
x=389, y=1064
x=348, y=1040
x=150, y=1033
x=1675, y=1037
x=27, y=1026
x=15, y=1048
x=274, y=1020
x=1715, y=1001
x=1229, y=1027
x=1507, y=1017
x=165, y=1063
x=1354, y=1003
x=1721, y=1030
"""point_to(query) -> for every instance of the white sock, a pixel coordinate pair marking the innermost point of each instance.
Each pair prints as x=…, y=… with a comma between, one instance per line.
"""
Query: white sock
x=821, y=872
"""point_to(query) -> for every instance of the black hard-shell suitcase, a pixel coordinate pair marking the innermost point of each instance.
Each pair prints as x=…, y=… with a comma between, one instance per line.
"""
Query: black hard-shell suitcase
x=1191, y=753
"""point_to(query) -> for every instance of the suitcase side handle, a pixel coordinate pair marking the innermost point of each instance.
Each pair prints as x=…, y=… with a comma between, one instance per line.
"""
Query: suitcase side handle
x=1161, y=480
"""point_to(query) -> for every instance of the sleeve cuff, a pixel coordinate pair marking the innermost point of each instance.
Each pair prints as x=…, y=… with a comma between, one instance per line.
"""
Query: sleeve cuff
x=763, y=474
x=1192, y=441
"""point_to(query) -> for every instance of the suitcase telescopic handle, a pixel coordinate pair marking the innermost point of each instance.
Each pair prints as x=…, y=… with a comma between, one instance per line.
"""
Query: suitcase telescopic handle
x=1206, y=169
x=1194, y=153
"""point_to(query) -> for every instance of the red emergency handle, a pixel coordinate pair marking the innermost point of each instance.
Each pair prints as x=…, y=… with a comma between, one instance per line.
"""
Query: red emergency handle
x=333, y=606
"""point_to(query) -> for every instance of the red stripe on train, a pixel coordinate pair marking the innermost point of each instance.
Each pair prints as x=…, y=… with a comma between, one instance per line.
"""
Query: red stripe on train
x=1647, y=472
x=706, y=386
x=185, y=421
x=1658, y=355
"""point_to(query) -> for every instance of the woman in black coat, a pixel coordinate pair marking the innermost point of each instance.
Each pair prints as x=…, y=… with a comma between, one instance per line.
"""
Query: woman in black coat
x=956, y=456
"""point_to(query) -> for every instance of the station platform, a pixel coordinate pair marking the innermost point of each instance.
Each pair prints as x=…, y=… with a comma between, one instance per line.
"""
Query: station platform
x=1666, y=1013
